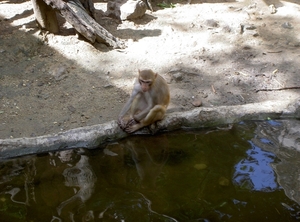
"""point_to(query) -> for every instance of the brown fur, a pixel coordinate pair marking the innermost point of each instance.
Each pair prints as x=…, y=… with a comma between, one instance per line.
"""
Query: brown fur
x=148, y=102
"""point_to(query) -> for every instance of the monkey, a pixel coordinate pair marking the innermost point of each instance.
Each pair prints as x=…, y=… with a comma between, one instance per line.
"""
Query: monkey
x=148, y=102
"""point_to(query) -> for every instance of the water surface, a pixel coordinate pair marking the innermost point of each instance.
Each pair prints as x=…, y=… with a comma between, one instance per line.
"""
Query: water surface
x=241, y=172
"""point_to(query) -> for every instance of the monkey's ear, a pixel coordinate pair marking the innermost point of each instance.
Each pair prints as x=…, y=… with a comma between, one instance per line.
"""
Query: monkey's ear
x=155, y=75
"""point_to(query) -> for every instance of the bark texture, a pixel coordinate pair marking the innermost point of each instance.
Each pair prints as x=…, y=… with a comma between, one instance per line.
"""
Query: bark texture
x=97, y=135
x=45, y=16
x=80, y=14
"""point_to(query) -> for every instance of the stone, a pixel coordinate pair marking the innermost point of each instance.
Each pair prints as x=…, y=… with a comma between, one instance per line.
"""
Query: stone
x=200, y=166
x=125, y=9
x=273, y=9
x=113, y=8
x=287, y=25
x=132, y=9
x=212, y=23
x=197, y=102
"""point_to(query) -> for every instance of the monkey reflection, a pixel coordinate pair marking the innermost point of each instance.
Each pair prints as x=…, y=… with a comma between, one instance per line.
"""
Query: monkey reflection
x=79, y=181
x=150, y=155
x=148, y=102
x=82, y=176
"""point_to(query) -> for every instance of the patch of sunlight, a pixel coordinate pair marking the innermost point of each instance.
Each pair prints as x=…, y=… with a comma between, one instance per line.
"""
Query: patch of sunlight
x=125, y=84
x=21, y=21
x=289, y=9
x=100, y=6
x=218, y=47
x=19, y=9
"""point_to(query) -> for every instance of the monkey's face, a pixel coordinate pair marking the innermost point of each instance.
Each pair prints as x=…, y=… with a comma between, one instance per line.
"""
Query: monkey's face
x=145, y=84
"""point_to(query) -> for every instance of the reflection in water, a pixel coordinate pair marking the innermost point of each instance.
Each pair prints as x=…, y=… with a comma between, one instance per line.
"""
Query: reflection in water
x=81, y=176
x=255, y=171
x=81, y=179
x=148, y=156
x=283, y=139
x=207, y=175
x=148, y=161
x=29, y=171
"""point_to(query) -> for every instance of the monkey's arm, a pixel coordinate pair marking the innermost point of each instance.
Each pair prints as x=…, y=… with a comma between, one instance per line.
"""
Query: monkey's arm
x=141, y=115
x=126, y=107
x=135, y=91
x=121, y=122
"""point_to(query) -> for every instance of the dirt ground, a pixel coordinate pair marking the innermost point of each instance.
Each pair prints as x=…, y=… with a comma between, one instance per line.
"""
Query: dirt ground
x=219, y=52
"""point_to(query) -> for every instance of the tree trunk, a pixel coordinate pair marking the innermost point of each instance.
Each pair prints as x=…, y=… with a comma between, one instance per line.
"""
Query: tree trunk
x=82, y=20
x=94, y=136
x=45, y=16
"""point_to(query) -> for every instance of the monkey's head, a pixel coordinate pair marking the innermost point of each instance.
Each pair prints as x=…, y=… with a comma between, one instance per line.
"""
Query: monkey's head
x=146, y=79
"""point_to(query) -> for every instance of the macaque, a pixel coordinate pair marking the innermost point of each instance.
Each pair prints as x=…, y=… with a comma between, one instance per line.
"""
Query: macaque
x=148, y=102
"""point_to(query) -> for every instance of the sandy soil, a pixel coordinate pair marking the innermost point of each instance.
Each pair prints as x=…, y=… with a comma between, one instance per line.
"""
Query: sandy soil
x=219, y=52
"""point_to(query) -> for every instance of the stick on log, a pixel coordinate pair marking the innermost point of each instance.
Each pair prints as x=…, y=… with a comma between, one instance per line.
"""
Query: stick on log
x=278, y=89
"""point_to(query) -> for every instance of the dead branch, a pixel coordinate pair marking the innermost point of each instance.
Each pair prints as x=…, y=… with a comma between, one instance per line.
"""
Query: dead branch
x=278, y=89
x=81, y=19
x=213, y=89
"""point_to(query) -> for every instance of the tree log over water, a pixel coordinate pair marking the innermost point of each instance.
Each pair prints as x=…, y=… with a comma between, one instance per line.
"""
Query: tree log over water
x=97, y=135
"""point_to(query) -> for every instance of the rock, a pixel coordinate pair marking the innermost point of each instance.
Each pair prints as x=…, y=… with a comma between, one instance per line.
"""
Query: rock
x=108, y=86
x=71, y=109
x=40, y=83
x=178, y=76
x=113, y=8
x=272, y=9
x=249, y=30
x=125, y=9
x=249, y=27
x=59, y=73
x=252, y=6
x=132, y=9
x=223, y=181
x=212, y=23
x=200, y=166
x=287, y=25
x=197, y=102
x=226, y=29
x=246, y=27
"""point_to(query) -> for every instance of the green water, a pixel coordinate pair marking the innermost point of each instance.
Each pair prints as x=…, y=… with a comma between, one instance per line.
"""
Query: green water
x=216, y=174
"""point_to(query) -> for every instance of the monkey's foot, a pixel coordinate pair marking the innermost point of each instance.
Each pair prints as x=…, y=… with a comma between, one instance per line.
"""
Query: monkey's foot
x=127, y=125
x=133, y=127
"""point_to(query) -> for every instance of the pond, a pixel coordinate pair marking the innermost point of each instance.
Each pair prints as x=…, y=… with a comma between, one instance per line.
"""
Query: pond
x=241, y=172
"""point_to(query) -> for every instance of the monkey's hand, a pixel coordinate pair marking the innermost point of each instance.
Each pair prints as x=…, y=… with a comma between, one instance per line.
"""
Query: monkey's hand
x=122, y=124
x=131, y=122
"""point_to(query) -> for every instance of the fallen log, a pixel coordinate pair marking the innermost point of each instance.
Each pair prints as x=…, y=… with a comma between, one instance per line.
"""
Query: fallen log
x=81, y=19
x=45, y=16
x=97, y=135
